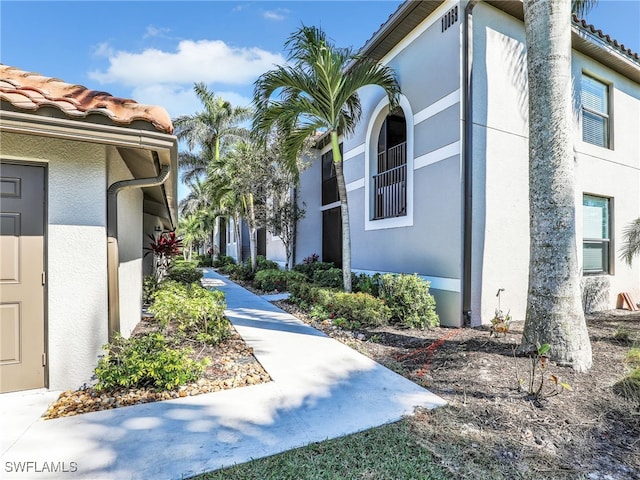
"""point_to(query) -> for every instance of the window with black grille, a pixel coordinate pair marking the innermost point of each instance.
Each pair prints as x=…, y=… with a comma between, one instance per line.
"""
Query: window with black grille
x=390, y=179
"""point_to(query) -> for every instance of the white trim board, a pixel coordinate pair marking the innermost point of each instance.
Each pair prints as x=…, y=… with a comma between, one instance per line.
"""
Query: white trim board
x=437, y=107
x=438, y=155
x=355, y=185
x=354, y=152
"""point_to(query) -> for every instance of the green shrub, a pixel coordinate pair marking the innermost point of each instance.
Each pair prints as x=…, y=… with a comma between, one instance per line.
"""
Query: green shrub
x=146, y=362
x=184, y=271
x=242, y=272
x=198, y=312
x=358, y=307
x=330, y=278
x=309, y=269
x=409, y=299
x=223, y=260
x=263, y=264
x=280, y=280
x=149, y=288
x=366, y=283
x=228, y=269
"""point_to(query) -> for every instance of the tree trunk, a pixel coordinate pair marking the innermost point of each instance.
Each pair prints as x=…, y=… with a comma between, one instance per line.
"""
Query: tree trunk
x=554, y=307
x=236, y=227
x=344, y=209
x=253, y=233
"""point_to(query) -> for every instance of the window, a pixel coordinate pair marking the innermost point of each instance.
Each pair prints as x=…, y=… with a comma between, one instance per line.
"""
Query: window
x=329, y=181
x=390, y=181
x=596, y=246
x=594, y=97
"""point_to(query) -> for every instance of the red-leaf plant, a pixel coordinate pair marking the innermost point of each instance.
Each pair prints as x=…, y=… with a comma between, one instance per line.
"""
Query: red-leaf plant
x=164, y=247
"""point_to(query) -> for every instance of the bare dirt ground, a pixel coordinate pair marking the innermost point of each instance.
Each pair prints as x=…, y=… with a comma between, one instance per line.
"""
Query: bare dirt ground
x=491, y=428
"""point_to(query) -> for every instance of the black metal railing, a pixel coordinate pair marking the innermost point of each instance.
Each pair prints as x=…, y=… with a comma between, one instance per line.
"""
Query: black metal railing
x=390, y=190
x=392, y=158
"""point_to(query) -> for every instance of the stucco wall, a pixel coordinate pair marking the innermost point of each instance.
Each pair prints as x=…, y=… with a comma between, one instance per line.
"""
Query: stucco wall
x=500, y=166
x=129, y=243
x=76, y=252
x=428, y=240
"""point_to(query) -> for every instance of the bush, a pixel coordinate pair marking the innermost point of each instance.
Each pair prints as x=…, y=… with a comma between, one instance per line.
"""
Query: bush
x=409, y=299
x=223, y=260
x=331, y=278
x=309, y=269
x=280, y=280
x=242, y=272
x=184, y=271
x=199, y=312
x=146, y=362
x=149, y=287
x=366, y=284
x=359, y=307
x=263, y=264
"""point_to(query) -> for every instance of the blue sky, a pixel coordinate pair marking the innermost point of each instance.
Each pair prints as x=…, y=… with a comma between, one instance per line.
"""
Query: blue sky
x=153, y=52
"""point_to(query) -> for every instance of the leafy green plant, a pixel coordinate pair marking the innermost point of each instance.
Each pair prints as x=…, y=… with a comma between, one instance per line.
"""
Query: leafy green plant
x=223, y=260
x=345, y=324
x=309, y=269
x=263, y=264
x=198, y=312
x=366, y=283
x=330, y=278
x=184, y=271
x=149, y=287
x=318, y=312
x=537, y=388
x=280, y=280
x=622, y=335
x=146, y=362
x=409, y=299
x=357, y=307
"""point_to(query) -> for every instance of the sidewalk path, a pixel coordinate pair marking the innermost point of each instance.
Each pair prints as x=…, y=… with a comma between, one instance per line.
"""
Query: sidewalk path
x=321, y=389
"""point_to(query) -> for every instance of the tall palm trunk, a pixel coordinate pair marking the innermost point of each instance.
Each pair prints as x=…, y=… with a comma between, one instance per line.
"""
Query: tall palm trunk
x=236, y=226
x=344, y=210
x=253, y=232
x=554, y=307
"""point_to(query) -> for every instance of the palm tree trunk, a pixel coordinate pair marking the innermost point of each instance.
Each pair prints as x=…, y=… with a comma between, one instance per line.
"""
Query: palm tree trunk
x=236, y=227
x=253, y=232
x=344, y=209
x=554, y=307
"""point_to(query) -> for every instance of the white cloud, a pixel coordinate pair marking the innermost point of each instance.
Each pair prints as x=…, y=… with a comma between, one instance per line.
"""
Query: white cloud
x=153, y=31
x=179, y=99
x=103, y=50
x=277, y=14
x=193, y=61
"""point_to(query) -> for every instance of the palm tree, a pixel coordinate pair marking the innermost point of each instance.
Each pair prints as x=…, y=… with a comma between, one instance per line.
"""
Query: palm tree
x=554, y=308
x=211, y=130
x=631, y=242
x=192, y=231
x=318, y=92
x=214, y=127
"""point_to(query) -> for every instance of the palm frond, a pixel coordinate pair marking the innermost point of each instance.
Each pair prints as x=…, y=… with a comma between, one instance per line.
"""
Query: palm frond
x=630, y=242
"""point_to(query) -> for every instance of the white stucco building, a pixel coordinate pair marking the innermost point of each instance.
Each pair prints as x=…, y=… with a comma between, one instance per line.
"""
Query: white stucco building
x=85, y=176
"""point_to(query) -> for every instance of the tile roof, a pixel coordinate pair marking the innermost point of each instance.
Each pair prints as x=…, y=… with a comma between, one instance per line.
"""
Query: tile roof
x=30, y=91
x=598, y=33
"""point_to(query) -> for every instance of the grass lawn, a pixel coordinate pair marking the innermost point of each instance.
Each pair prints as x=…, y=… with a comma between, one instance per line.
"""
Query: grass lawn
x=387, y=452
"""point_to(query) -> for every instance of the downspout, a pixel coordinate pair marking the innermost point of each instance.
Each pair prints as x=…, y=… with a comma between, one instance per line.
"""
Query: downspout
x=467, y=92
x=113, y=261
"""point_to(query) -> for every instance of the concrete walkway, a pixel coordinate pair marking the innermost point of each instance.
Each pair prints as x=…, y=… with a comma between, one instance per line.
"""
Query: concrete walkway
x=321, y=389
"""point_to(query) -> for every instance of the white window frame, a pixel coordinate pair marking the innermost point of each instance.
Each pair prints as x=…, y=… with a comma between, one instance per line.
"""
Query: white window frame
x=609, y=240
x=608, y=117
x=376, y=120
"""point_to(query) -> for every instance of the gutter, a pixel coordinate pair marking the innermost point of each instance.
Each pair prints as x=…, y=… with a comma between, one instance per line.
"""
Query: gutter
x=467, y=93
x=113, y=261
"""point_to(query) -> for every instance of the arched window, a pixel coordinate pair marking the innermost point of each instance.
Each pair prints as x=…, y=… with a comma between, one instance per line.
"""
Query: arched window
x=390, y=179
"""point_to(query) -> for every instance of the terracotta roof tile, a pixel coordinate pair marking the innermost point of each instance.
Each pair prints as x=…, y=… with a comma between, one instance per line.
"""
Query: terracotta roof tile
x=30, y=91
x=589, y=28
